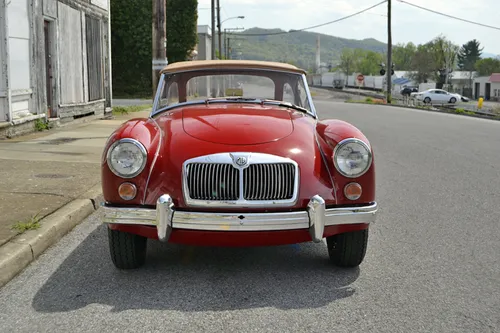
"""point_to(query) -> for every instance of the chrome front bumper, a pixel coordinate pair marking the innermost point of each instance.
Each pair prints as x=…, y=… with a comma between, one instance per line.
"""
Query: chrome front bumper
x=315, y=218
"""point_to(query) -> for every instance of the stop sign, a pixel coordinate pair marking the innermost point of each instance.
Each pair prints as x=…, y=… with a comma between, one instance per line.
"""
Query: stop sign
x=360, y=77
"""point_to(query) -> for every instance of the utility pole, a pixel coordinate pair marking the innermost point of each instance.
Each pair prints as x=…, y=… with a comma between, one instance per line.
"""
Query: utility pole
x=213, y=29
x=218, y=29
x=226, y=39
x=389, y=53
x=159, y=40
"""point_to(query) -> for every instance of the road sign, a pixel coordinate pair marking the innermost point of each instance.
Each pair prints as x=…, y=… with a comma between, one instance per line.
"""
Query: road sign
x=360, y=78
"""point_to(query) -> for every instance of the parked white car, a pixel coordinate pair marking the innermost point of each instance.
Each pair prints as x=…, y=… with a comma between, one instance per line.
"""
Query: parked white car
x=436, y=96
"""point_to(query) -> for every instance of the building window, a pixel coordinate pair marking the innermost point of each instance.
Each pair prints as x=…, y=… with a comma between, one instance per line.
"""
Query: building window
x=94, y=58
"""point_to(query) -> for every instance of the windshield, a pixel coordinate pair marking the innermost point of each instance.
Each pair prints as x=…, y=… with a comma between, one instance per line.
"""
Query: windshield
x=242, y=86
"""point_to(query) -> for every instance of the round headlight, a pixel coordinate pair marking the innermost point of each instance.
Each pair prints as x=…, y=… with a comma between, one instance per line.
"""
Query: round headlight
x=352, y=157
x=127, y=158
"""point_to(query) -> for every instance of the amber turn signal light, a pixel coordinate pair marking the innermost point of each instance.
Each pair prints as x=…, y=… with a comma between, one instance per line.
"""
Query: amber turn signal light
x=352, y=191
x=127, y=191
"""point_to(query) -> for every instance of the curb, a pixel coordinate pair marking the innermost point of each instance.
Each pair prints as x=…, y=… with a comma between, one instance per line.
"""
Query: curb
x=434, y=110
x=22, y=250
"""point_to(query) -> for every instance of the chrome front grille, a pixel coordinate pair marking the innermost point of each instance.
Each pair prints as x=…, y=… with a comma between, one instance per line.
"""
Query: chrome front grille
x=240, y=179
x=213, y=181
x=270, y=181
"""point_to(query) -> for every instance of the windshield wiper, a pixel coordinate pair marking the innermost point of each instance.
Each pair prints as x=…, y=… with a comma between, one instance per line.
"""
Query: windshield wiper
x=236, y=99
x=259, y=101
x=285, y=104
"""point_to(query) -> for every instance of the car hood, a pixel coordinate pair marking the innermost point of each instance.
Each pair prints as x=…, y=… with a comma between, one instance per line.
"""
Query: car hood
x=241, y=124
x=177, y=146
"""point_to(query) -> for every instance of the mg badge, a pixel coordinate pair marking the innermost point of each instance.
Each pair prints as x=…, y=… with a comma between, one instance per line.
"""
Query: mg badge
x=241, y=161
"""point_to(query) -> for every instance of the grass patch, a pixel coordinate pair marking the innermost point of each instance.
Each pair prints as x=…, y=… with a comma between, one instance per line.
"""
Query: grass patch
x=41, y=125
x=463, y=111
x=367, y=100
x=32, y=223
x=121, y=110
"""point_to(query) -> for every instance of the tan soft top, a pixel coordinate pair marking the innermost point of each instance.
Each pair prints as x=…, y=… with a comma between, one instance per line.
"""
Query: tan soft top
x=230, y=64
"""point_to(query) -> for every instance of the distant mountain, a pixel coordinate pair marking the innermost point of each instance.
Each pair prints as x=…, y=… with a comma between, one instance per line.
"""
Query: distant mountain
x=298, y=47
x=490, y=55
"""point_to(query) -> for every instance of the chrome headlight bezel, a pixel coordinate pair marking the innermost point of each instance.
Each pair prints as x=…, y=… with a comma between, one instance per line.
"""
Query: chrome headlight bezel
x=361, y=143
x=142, y=150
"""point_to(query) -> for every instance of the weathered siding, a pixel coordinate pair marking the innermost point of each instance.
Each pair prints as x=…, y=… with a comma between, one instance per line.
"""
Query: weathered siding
x=94, y=58
x=70, y=55
x=79, y=48
x=100, y=3
x=20, y=107
x=79, y=110
x=50, y=8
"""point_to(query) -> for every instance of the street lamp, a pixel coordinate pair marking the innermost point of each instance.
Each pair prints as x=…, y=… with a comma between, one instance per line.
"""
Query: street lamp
x=220, y=33
x=231, y=18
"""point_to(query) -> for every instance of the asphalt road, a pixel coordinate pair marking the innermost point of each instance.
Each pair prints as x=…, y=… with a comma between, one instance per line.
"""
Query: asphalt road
x=433, y=262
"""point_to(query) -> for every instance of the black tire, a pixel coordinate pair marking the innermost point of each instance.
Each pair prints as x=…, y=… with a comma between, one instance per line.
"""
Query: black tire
x=453, y=100
x=427, y=100
x=348, y=249
x=128, y=251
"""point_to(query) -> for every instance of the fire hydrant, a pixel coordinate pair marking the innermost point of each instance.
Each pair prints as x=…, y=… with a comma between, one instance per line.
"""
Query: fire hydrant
x=480, y=103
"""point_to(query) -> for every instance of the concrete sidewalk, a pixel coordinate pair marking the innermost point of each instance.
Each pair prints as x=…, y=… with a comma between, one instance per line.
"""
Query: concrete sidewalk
x=43, y=172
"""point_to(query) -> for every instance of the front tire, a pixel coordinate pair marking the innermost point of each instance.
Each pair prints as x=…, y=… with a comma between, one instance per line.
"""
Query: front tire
x=427, y=100
x=128, y=251
x=348, y=249
x=453, y=100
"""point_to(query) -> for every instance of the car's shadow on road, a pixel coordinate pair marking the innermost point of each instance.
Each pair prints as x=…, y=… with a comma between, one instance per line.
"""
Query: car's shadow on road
x=185, y=278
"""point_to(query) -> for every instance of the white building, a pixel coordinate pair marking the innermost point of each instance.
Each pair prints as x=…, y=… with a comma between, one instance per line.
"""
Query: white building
x=56, y=62
x=487, y=87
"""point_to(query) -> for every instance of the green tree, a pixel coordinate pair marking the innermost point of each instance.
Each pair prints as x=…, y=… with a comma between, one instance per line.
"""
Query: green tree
x=131, y=44
x=131, y=48
x=348, y=61
x=487, y=66
x=468, y=56
x=402, y=56
x=423, y=64
x=182, y=36
x=444, y=54
x=369, y=63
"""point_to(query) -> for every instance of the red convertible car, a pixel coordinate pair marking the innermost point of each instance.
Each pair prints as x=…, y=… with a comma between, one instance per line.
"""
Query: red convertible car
x=234, y=154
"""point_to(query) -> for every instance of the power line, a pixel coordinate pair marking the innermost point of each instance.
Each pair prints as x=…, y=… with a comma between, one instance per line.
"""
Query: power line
x=450, y=16
x=225, y=12
x=315, y=26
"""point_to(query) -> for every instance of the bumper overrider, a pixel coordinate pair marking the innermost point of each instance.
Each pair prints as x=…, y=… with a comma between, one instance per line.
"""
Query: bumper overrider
x=166, y=218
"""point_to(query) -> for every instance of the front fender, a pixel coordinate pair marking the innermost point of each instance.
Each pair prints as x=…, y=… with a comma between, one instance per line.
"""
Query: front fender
x=330, y=133
x=149, y=135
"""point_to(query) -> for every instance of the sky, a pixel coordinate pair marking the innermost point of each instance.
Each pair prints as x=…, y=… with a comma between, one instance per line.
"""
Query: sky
x=409, y=24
